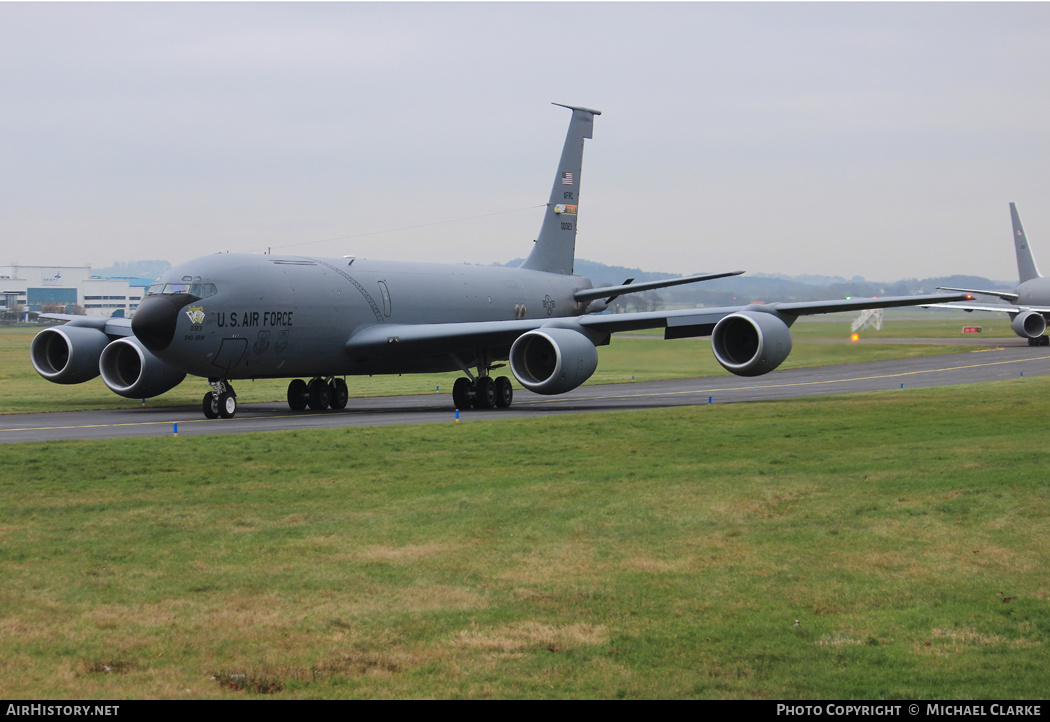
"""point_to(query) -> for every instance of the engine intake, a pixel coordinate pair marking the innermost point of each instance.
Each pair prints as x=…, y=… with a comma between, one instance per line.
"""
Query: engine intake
x=131, y=371
x=68, y=354
x=751, y=343
x=1029, y=324
x=553, y=360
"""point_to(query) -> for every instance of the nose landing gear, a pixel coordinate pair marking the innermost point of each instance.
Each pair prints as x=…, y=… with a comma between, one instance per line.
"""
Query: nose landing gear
x=221, y=401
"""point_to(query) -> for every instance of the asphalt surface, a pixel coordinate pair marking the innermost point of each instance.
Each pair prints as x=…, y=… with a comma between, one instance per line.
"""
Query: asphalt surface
x=1008, y=362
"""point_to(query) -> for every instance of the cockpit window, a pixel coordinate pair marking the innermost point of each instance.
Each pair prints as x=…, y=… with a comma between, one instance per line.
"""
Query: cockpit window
x=195, y=288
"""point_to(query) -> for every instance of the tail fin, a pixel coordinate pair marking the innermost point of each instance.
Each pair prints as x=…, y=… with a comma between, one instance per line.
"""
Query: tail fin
x=1026, y=269
x=555, y=249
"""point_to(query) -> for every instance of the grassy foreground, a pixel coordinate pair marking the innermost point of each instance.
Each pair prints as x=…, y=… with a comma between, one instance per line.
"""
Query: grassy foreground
x=889, y=545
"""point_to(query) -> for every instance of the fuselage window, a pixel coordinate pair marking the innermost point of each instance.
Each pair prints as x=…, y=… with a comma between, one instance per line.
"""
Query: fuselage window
x=200, y=290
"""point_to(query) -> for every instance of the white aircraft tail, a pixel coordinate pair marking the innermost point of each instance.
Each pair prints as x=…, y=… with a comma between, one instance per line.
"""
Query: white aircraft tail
x=555, y=249
x=1026, y=268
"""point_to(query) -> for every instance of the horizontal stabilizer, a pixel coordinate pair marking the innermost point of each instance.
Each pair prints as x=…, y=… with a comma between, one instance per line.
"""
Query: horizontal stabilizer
x=590, y=294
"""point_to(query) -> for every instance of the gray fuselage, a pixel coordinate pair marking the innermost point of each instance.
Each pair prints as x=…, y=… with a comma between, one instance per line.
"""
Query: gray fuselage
x=1034, y=292
x=282, y=316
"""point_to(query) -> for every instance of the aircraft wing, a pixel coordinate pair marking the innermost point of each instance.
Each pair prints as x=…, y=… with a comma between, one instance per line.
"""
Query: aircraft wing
x=701, y=321
x=1005, y=295
x=991, y=307
x=437, y=338
x=108, y=325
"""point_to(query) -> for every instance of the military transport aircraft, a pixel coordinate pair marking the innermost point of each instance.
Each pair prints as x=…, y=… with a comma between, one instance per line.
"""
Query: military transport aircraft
x=244, y=316
x=1028, y=304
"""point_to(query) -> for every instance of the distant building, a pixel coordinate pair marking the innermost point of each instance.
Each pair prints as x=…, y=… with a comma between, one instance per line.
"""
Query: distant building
x=63, y=288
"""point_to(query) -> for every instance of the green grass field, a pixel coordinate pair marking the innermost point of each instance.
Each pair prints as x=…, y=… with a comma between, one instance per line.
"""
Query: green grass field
x=890, y=545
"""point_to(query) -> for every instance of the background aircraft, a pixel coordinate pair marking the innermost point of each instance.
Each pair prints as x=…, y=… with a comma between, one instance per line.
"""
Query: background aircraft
x=1028, y=304
x=243, y=316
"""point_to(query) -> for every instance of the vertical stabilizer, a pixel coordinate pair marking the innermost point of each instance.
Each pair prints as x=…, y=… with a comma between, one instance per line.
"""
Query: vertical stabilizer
x=555, y=248
x=1026, y=269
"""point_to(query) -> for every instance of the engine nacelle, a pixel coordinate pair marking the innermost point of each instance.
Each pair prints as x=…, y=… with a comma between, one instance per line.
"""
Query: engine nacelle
x=1029, y=324
x=553, y=360
x=68, y=354
x=131, y=371
x=751, y=343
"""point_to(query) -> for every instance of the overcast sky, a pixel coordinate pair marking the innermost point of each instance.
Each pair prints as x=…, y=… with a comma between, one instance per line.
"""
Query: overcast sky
x=881, y=140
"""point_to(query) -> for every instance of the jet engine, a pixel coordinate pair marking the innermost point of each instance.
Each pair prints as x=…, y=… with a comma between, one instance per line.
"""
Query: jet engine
x=751, y=343
x=1029, y=324
x=68, y=354
x=553, y=360
x=131, y=371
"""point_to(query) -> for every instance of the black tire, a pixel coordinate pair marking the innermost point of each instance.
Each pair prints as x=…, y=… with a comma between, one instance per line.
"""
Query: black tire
x=504, y=392
x=339, y=394
x=210, y=406
x=461, y=393
x=227, y=405
x=297, y=395
x=485, y=398
x=319, y=394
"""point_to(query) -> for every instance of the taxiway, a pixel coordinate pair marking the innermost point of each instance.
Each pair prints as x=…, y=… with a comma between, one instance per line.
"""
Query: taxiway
x=1008, y=362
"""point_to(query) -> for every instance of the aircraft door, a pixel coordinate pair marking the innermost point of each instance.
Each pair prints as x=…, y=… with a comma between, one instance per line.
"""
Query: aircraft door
x=387, y=307
x=231, y=352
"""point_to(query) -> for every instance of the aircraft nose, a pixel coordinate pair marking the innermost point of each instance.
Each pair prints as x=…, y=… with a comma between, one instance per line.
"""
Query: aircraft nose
x=155, y=319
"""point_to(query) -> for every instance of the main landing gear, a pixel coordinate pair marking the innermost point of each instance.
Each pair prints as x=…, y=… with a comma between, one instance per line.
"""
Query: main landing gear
x=1040, y=341
x=318, y=394
x=482, y=393
x=221, y=401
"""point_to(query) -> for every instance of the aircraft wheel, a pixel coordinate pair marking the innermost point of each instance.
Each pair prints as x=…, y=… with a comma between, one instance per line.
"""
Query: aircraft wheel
x=227, y=405
x=297, y=395
x=210, y=406
x=339, y=394
x=319, y=394
x=461, y=393
x=485, y=398
x=504, y=392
